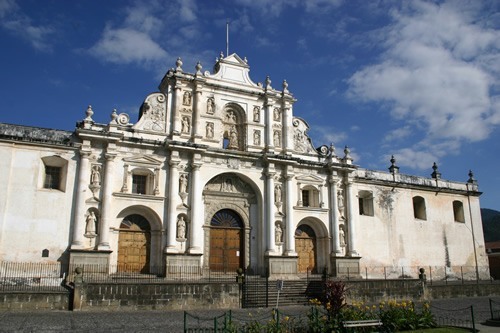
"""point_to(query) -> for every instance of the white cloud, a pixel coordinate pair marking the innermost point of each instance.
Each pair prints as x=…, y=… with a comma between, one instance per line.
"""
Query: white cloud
x=435, y=73
x=125, y=46
x=21, y=25
x=187, y=10
x=327, y=135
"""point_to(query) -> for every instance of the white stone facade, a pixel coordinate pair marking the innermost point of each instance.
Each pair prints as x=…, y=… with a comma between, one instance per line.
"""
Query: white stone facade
x=218, y=174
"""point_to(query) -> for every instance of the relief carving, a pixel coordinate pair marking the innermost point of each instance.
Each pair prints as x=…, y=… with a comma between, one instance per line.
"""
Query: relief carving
x=186, y=98
x=152, y=113
x=256, y=114
x=210, y=130
x=210, y=106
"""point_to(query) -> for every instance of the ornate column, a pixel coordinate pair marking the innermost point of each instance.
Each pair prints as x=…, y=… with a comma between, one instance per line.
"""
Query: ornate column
x=352, y=216
x=268, y=121
x=197, y=106
x=290, y=226
x=176, y=108
x=83, y=183
x=196, y=231
x=106, y=201
x=299, y=195
x=271, y=244
x=172, y=200
x=334, y=216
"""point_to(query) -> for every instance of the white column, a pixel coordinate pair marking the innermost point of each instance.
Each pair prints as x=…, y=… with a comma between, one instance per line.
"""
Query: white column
x=196, y=211
x=334, y=217
x=269, y=124
x=290, y=225
x=287, y=128
x=172, y=212
x=299, y=195
x=176, y=108
x=106, y=202
x=352, y=217
x=197, y=105
x=271, y=244
x=79, y=217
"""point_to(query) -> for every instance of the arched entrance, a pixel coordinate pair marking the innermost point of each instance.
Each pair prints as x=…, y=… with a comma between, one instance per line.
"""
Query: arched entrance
x=305, y=245
x=134, y=245
x=226, y=242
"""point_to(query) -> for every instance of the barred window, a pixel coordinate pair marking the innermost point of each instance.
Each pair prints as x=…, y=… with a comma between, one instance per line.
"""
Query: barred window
x=139, y=184
x=52, y=177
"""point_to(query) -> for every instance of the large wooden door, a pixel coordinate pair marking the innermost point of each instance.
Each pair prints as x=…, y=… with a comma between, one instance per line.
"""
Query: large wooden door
x=134, y=242
x=305, y=245
x=226, y=240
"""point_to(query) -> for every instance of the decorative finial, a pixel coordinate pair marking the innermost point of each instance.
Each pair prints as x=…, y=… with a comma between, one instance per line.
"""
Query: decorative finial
x=471, y=179
x=245, y=60
x=198, y=68
x=347, y=152
x=89, y=113
x=221, y=55
x=178, y=63
x=393, y=168
x=113, y=116
x=435, y=174
x=268, y=82
x=285, y=86
x=332, y=149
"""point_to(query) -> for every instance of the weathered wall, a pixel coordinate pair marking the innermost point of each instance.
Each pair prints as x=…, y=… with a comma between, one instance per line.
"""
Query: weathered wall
x=30, y=300
x=157, y=296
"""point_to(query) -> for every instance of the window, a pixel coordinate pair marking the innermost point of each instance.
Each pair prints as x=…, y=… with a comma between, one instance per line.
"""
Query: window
x=365, y=199
x=419, y=208
x=310, y=196
x=305, y=198
x=139, y=183
x=54, y=173
x=458, y=211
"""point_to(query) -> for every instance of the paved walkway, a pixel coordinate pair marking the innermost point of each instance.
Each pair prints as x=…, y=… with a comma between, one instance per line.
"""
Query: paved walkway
x=172, y=321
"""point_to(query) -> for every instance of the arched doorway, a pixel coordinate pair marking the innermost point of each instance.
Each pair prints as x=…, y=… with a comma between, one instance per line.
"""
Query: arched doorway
x=305, y=245
x=226, y=242
x=134, y=245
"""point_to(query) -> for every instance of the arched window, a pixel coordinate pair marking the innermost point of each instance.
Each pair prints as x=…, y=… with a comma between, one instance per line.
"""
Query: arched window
x=142, y=181
x=419, y=210
x=310, y=196
x=458, y=211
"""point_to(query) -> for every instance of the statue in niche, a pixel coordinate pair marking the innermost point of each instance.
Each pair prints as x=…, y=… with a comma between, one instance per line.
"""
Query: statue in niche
x=227, y=185
x=210, y=106
x=183, y=183
x=186, y=99
x=233, y=138
x=278, y=233
x=256, y=138
x=277, y=139
x=342, y=236
x=96, y=175
x=231, y=117
x=256, y=114
x=181, y=228
x=276, y=114
x=90, y=228
x=340, y=203
x=277, y=193
x=185, y=125
x=210, y=130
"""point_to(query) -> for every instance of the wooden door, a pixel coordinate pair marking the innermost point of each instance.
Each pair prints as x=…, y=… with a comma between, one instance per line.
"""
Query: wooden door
x=133, y=248
x=305, y=245
x=226, y=240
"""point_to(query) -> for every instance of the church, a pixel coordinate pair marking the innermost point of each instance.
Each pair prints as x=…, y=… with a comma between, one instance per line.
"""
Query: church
x=218, y=174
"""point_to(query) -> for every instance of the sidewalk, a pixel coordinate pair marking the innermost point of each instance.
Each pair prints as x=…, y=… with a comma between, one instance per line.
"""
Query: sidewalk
x=171, y=321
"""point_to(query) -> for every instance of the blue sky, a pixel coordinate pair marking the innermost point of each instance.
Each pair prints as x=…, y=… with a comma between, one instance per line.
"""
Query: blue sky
x=417, y=79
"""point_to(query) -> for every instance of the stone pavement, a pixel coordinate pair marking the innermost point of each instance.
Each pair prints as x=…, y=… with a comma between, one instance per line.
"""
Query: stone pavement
x=172, y=321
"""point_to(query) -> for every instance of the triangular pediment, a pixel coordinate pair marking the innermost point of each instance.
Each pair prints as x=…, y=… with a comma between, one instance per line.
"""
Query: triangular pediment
x=235, y=60
x=309, y=179
x=233, y=70
x=142, y=160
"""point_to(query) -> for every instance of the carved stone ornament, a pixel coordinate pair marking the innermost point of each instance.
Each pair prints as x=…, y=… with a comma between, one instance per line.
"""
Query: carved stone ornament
x=153, y=113
x=228, y=183
x=186, y=98
x=256, y=114
x=123, y=119
x=210, y=105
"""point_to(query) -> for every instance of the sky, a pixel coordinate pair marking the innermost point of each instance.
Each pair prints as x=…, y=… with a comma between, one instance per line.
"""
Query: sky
x=419, y=80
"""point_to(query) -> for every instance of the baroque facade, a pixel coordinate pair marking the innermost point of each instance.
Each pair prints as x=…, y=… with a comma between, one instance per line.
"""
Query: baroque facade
x=218, y=174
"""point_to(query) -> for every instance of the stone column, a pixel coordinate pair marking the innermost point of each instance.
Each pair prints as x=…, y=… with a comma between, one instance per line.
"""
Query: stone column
x=299, y=195
x=197, y=107
x=287, y=129
x=176, y=108
x=196, y=224
x=290, y=225
x=269, y=124
x=172, y=200
x=269, y=198
x=334, y=217
x=352, y=217
x=79, y=217
x=106, y=202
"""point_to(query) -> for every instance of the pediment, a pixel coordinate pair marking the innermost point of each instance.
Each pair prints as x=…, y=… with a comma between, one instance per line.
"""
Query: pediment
x=142, y=160
x=310, y=179
x=235, y=60
x=233, y=69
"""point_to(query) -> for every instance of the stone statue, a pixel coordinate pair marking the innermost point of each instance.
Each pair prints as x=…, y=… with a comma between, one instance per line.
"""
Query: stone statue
x=231, y=117
x=278, y=233
x=183, y=183
x=256, y=114
x=277, y=140
x=340, y=203
x=277, y=193
x=181, y=228
x=210, y=130
x=96, y=175
x=186, y=100
x=276, y=114
x=342, y=236
x=256, y=138
x=90, y=229
x=210, y=106
x=233, y=138
x=185, y=125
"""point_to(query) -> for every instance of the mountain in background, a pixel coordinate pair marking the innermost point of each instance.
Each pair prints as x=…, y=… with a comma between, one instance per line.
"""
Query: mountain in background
x=491, y=224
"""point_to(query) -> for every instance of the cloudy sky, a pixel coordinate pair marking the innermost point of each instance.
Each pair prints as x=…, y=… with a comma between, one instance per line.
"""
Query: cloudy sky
x=417, y=79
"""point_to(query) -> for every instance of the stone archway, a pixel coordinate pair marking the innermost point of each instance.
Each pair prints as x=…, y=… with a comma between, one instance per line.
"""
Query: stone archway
x=306, y=247
x=228, y=193
x=134, y=245
x=226, y=242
